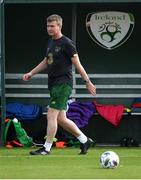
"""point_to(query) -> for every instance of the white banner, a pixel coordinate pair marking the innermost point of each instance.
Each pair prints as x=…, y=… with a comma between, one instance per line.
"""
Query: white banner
x=110, y=29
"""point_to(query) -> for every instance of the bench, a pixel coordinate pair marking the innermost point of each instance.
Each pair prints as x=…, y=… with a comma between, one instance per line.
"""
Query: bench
x=117, y=87
x=111, y=88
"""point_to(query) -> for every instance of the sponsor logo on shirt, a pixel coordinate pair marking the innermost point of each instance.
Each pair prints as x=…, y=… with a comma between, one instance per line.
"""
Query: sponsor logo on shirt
x=57, y=48
x=50, y=58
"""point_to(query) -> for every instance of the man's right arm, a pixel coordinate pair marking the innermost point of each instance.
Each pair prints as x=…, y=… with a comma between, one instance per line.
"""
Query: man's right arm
x=40, y=67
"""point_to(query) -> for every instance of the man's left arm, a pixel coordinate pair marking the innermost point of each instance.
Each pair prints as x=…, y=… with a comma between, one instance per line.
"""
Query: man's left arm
x=89, y=85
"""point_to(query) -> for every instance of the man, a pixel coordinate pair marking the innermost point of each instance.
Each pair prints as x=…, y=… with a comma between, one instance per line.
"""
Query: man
x=60, y=55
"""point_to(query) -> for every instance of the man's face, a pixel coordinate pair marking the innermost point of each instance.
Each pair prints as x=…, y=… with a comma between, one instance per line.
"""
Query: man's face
x=53, y=28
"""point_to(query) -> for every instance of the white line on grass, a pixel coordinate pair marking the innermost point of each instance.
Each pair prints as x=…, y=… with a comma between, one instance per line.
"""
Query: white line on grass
x=54, y=156
x=59, y=156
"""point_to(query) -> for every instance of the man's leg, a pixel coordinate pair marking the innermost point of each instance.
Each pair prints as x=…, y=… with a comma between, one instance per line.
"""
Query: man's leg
x=51, y=132
x=71, y=127
x=52, y=125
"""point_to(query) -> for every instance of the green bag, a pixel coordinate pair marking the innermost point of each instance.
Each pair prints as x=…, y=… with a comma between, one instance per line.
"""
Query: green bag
x=21, y=134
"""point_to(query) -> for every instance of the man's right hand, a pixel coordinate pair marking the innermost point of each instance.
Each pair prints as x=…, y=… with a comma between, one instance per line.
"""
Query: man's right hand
x=27, y=76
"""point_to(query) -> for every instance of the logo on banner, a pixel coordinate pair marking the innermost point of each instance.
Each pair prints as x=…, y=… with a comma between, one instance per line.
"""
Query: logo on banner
x=110, y=29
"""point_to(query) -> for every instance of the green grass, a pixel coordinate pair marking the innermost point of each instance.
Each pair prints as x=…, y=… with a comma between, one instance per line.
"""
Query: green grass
x=67, y=164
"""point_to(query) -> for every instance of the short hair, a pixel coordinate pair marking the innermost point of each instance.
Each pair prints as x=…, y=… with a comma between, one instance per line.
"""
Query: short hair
x=55, y=17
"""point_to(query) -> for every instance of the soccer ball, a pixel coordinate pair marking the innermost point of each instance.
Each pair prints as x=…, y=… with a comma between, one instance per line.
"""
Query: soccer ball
x=109, y=159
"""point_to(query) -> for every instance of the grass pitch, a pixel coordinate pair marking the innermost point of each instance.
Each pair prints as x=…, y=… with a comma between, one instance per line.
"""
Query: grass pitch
x=65, y=163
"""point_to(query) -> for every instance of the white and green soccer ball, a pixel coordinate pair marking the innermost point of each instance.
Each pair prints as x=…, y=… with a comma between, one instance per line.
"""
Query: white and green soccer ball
x=109, y=159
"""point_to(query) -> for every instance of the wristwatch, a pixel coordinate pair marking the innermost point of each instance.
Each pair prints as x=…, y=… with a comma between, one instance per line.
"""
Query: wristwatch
x=86, y=81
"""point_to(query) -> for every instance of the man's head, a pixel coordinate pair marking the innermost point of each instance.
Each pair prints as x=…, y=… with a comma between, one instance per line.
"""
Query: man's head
x=54, y=25
x=57, y=18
